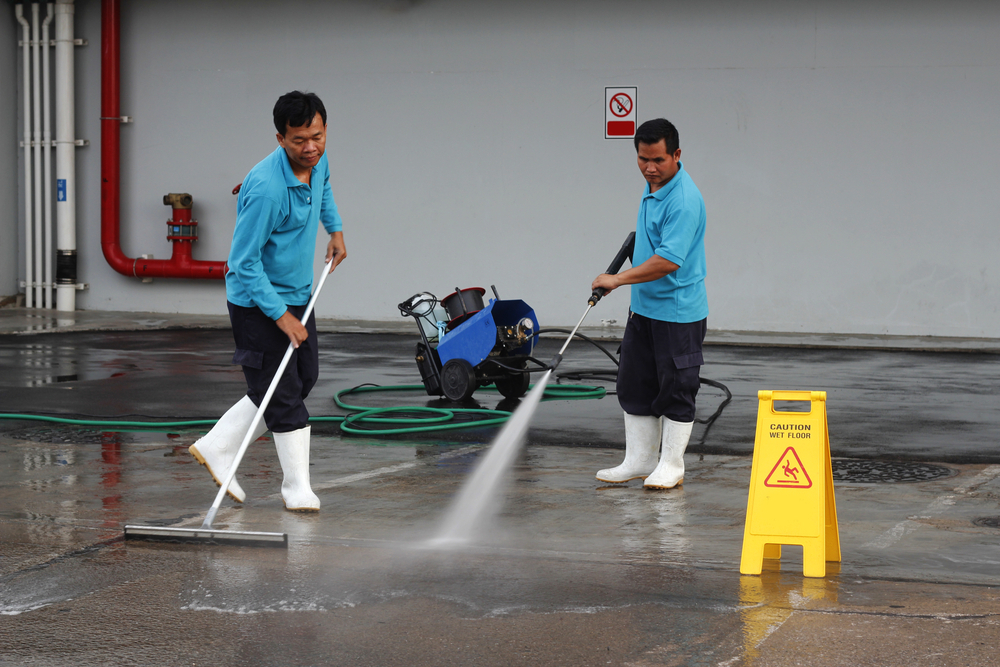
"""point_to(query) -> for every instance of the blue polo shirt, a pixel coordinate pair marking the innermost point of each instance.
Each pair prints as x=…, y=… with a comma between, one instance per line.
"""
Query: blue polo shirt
x=277, y=218
x=671, y=224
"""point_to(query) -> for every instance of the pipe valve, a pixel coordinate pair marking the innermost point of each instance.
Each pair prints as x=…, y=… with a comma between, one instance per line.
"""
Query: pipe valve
x=178, y=200
x=181, y=227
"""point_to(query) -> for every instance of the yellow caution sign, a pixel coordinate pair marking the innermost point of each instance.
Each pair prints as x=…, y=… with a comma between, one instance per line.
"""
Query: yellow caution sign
x=791, y=485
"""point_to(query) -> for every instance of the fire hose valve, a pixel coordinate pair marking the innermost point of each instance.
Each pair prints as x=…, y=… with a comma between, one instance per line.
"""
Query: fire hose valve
x=181, y=227
x=178, y=200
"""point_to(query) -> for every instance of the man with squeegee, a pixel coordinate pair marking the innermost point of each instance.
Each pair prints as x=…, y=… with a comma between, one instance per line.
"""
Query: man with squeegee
x=661, y=351
x=280, y=204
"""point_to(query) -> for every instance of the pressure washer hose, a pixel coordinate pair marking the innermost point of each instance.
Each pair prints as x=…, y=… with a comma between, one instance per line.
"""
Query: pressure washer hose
x=599, y=374
x=430, y=419
x=611, y=375
x=437, y=419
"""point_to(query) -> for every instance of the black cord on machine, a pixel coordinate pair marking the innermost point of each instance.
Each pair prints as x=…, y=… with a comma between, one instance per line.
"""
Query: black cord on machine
x=608, y=375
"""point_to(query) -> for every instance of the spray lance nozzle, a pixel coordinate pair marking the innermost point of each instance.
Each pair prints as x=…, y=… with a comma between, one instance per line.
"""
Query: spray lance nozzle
x=625, y=252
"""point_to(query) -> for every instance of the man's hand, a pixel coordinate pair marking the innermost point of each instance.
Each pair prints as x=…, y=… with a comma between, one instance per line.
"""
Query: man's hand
x=293, y=328
x=653, y=268
x=606, y=280
x=336, y=250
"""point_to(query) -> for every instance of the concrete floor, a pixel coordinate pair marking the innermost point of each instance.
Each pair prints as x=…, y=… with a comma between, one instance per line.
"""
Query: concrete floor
x=566, y=571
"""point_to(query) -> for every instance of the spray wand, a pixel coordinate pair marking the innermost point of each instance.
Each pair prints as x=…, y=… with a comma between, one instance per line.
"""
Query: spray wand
x=625, y=252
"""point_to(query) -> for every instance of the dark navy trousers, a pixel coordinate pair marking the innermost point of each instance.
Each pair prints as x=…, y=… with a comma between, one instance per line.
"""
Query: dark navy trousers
x=659, y=367
x=260, y=347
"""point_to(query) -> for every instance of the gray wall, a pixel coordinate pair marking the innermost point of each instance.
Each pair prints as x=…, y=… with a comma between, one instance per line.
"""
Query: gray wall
x=10, y=167
x=845, y=150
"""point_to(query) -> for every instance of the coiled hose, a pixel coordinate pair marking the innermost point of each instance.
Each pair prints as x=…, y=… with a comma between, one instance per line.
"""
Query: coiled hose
x=398, y=420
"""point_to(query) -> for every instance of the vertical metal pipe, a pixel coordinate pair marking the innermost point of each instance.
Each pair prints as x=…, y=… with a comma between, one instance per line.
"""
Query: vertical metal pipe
x=36, y=127
x=47, y=157
x=28, y=193
x=180, y=265
x=65, y=158
x=110, y=139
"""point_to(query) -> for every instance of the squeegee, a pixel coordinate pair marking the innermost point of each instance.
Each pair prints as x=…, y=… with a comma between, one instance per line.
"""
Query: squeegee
x=206, y=533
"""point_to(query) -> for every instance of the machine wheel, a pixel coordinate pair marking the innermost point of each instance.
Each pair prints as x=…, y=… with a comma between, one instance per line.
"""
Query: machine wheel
x=458, y=380
x=514, y=385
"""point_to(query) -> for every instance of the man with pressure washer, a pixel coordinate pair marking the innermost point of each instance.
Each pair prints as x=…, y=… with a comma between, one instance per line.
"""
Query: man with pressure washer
x=661, y=351
x=268, y=284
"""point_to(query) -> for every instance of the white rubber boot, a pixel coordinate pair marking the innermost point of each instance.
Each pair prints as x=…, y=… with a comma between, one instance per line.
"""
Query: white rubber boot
x=293, y=453
x=670, y=471
x=217, y=449
x=642, y=440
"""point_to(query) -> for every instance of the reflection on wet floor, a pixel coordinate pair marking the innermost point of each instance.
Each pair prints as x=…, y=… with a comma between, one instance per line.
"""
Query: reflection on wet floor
x=769, y=599
x=40, y=364
x=653, y=524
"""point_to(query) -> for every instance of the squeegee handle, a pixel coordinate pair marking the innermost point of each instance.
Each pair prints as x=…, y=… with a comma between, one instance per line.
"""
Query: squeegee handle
x=210, y=517
x=625, y=252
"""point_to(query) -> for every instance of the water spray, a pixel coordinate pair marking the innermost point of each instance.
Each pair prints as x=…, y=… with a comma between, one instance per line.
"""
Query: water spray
x=479, y=490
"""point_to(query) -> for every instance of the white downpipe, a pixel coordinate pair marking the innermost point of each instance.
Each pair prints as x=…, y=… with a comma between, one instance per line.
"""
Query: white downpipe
x=65, y=147
x=28, y=217
x=36, y=133
x=47, y=156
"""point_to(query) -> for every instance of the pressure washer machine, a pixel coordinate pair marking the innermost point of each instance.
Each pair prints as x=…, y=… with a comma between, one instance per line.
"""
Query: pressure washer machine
x=466, y=344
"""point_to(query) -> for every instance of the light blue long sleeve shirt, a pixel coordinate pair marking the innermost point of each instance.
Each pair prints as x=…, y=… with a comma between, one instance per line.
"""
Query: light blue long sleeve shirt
x=277, y=218
x=671, y=224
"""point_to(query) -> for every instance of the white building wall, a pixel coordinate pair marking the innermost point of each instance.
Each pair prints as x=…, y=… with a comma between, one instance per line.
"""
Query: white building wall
x=845, y=149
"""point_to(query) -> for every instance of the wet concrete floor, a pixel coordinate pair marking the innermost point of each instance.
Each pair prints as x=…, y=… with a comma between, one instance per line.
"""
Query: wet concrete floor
x=567, y=572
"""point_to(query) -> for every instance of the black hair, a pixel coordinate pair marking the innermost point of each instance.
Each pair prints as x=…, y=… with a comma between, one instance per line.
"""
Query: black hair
x=652, y=131
x=296, y=109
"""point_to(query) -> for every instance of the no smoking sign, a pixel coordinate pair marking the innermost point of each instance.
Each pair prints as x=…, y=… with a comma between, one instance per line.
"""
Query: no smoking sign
x=619, y=113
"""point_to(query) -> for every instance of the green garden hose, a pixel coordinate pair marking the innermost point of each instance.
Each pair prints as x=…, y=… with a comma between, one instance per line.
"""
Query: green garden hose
x=431, y=419
x=107, y=423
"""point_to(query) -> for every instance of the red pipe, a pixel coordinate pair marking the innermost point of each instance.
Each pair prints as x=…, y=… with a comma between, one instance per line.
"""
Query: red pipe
x=180, y=264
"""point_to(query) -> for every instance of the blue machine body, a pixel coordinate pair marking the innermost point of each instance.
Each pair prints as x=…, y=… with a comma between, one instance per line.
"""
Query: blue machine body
x=475, y=338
